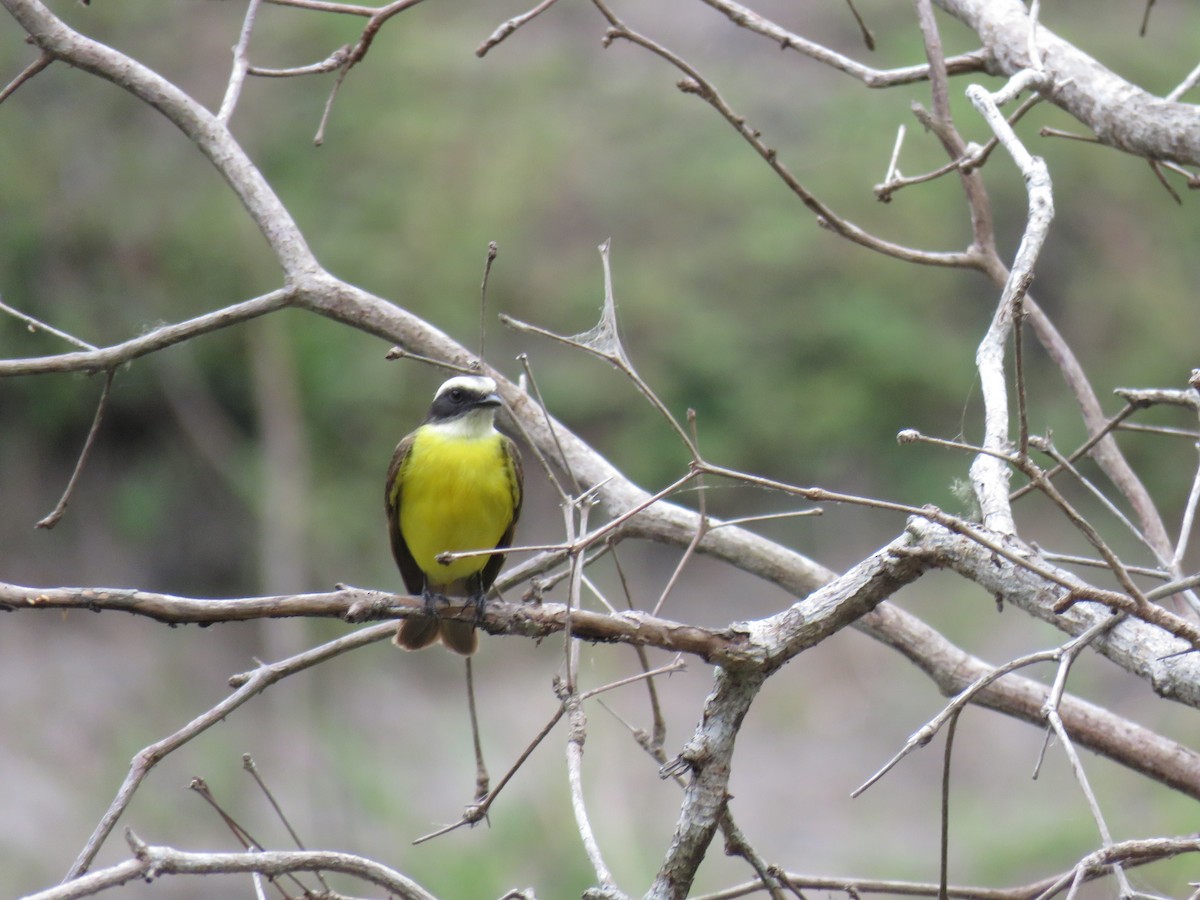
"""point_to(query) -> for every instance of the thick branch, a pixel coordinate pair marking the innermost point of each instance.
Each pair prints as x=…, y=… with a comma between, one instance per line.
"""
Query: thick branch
x=709, y=753
x=536, y=620
x=1143, y=649
x=1120, y=114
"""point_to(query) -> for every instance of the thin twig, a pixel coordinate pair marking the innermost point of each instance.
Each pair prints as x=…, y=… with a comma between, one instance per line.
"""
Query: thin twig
x=242, y=835
x=1101, y=564
x=695, y=83
x=241, y=62
x=1095, y=438
x=492, y=251
x=939, y=87
x=1189, y=518
x=1186, y=85
x=653, y=742
x=702, y=528
x=867, y=36
x=1063, y=464
x=576, y=516
x=1018, y=329
x=331, y=63
x=255, y=683
x=1085, y=787
x=200, y=787
x=329, y=6
x=604, y=341
x=944, y=861
x=972, y=157
x=481, y=773
x=1145, y=18
x=893, y=171
x=512, y=25
x=44, y=59
x=1164, y=430
x=378, y=18
x=399, y=352
x=35, y=325
x=57, y=513
x=564, y=464
x=747, y=18
x=926, y=733
x=249, y=766
x=94, y=360
x=478, y=811
x=576, y=737
x=766, y=517
x=154, y=862
x=736, y=844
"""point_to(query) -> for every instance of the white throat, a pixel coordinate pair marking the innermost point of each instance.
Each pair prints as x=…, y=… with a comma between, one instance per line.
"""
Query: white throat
x=478, y=423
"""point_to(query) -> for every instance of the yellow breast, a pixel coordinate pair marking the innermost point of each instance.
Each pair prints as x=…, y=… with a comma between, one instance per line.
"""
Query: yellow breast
x=458, y=494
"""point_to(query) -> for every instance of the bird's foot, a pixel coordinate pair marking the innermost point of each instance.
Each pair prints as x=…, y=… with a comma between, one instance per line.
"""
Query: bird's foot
x=433, y=601
x=479, y=603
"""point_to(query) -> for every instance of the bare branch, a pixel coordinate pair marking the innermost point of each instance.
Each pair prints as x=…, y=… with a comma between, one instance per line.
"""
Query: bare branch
x=777, y=639
x=988, y=475
x=329, y=6
x=873, y=78
x=1144, y=648
x=1101, y=731
x=512, y=25
x=695, y=83
x=200, y=126
x=331, y=63
x=60, y=509
x=576, y=736
x=109, y=358
x=32, y=69
x=156, y=861
x=1120, y=114
x=35, y=325
x=257, y=681
x=241, y=63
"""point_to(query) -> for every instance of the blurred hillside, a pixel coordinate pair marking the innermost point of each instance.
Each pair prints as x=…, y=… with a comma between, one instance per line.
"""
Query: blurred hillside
x=251, y=461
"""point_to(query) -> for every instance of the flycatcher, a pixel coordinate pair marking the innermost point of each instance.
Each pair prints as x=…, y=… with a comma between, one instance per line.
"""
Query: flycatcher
x=454, y=485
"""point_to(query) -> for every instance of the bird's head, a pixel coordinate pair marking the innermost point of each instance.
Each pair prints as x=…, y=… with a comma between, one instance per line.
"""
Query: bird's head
x=469, y=401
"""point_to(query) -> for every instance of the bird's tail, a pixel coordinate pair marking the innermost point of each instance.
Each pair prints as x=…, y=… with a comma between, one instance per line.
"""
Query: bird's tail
x=417, y=632
x=421, y=631
x=459, y=636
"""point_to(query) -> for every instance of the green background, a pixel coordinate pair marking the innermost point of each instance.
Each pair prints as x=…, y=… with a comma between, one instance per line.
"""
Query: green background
x=251, y=461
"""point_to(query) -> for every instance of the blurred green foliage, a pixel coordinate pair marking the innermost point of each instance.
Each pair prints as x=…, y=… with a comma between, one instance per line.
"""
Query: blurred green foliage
x=802, y=355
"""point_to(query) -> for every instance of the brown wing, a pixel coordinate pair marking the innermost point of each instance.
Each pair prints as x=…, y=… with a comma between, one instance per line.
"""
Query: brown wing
x=492, y=568
x=414, y=578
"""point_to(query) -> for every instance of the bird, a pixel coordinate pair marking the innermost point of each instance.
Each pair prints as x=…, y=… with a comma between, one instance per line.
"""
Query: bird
x=455, y=484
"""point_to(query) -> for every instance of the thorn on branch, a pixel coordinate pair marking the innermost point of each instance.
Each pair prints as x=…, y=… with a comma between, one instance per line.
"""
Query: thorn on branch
x=677, y=766
x=137, y=845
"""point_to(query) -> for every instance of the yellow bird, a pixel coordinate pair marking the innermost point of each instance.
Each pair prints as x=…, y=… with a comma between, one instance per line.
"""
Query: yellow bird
x=454, y=485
